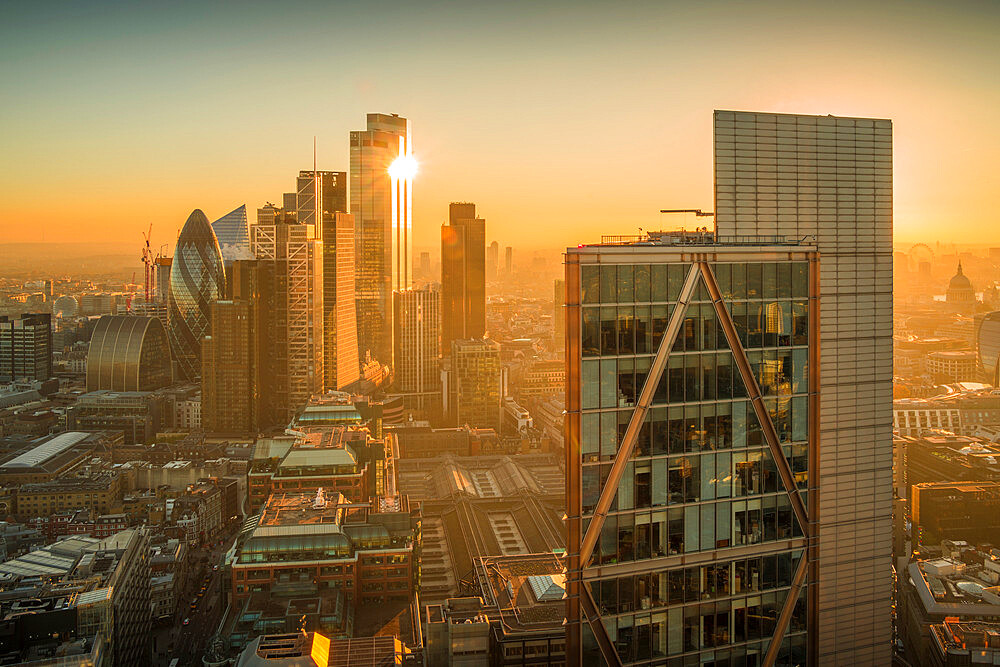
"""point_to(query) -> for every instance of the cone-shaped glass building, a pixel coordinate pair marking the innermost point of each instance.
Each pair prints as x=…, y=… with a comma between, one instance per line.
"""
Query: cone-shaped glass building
x=197, y=278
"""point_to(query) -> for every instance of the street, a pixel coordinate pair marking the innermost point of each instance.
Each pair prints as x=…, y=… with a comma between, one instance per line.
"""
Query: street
x=187, y=642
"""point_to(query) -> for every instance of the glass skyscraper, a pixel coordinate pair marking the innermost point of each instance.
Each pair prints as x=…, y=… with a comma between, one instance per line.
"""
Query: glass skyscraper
x=692, y=358
x=463, y=275
x=381, y=207
x=728, y=484
x=233, y=233
x=197, y=278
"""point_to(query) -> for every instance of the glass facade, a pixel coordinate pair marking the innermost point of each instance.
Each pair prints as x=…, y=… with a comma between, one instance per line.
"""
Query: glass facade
x=233, y=233
x=988, y=347
x=701, y=478
x=381, y=208
x=197, y=278
x=128, y=353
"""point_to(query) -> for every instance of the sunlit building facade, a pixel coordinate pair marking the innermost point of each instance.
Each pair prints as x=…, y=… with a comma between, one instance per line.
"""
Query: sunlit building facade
x=691, y=422
x=26, y=347
x=417, y=341
x=236, y=395
x=381, y=204
x=475, y=384
x=988, y=348
x=128, y=353
x=831, y=178
x=295, y=331
x=463, y=275
x=197, y=277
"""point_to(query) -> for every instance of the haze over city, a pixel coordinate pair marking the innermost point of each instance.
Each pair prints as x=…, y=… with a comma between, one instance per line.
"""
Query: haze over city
x=563, y=120
x=500, y=335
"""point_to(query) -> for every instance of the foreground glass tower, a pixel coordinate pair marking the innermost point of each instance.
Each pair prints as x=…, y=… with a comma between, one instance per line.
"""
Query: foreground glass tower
x=691, y=437
x=729, y=488
x=197, y=278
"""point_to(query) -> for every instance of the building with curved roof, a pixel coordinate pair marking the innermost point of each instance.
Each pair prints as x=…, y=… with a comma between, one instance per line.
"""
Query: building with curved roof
x=233, y=234
x=961, y=293
x=197, y=278
x=988, y=348
x=128, y=353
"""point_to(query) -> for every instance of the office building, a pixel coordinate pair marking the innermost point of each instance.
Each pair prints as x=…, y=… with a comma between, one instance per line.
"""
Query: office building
x=831, y=178
x=26, y=347
x=508, y=261
x=425, y=265
x=381, y=204
x=52, y=456
x=197, y=278
x=475, y=384
x=161, y=279
x=463, y=275
x=559, y=315
x=128, y=353
x=988, y=348
x=690, y=432
x=137, y=415
x=295, y=323
x=233, y=233
x=417, y=343
x=492, y=260
x=85, y=588
x=321, y=201
x=235, y=391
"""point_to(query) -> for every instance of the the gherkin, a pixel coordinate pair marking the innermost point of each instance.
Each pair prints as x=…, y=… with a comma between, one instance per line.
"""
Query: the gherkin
x=197, y=278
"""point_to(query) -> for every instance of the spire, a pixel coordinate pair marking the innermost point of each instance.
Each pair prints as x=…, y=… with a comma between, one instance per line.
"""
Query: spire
x=959, y=267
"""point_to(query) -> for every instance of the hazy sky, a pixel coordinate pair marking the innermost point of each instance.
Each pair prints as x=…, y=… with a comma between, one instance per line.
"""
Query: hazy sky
x=562, y=121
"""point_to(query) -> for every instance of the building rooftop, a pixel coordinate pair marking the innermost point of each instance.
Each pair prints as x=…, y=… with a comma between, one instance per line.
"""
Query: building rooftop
x=952, y=588
x=46, y=450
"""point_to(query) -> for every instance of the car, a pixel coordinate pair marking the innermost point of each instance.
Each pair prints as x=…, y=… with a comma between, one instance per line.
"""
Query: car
x=215, y=568
x=194, y=605
x=187, y=621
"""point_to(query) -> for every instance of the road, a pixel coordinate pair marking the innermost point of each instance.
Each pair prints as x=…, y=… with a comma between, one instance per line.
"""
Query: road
x=187, y=642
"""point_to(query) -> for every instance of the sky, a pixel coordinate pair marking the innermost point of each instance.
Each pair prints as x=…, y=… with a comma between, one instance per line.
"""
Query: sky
x=562, y=121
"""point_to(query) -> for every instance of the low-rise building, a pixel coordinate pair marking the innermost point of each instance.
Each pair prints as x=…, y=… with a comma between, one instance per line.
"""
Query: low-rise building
x=100, y=493
x=52, y=456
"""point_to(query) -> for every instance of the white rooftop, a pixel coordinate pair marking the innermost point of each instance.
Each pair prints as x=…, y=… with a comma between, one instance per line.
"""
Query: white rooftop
x=47, y=450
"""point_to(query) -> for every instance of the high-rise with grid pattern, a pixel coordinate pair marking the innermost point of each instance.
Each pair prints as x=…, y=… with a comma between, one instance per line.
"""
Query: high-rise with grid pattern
x=728, y=413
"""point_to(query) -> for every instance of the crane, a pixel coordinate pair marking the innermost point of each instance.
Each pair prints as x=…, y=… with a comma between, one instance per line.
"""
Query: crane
x=147, y=261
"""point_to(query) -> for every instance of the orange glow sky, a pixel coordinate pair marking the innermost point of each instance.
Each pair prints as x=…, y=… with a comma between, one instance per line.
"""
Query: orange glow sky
x=562, y=121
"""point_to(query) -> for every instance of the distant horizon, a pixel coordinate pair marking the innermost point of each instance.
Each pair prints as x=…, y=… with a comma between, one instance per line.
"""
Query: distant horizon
x=554, y=141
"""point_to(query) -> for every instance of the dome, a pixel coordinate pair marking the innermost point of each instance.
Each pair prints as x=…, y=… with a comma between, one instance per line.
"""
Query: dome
x=960, y=289
x=197, y=278
x=960, y=280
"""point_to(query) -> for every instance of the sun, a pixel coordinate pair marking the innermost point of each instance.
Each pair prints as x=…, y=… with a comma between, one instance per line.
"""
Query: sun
x=404, y=167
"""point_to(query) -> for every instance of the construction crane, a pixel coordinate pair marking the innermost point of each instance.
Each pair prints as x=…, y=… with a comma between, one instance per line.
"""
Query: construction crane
x=147, y=261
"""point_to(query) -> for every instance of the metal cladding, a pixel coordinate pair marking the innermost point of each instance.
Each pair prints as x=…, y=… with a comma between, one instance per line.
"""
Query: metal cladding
x=197, y=278
x=128, y=353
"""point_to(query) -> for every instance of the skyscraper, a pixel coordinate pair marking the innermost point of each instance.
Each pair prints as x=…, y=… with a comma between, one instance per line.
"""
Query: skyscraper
x=26, y=347
x=463, y=275
x=417, y=340
x=508, y=261
x=324, y=194
x=380, y=202
x=475, y=384
x=197, y=278
x=696, y=389
x=831, y=178
x=559, y=314
x=492, y=260
x=233, y=234
x=295, y=323
x=688, y=448
x=235, y=379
